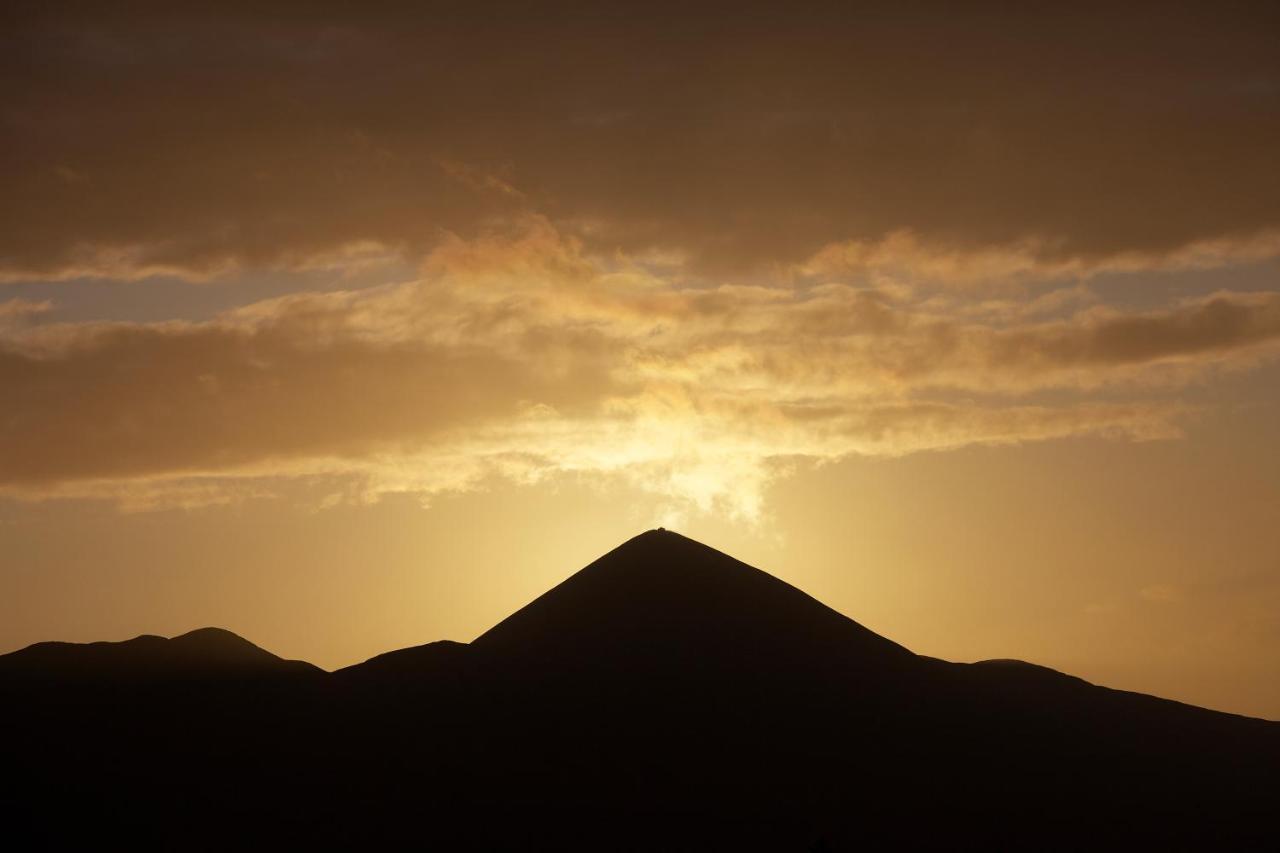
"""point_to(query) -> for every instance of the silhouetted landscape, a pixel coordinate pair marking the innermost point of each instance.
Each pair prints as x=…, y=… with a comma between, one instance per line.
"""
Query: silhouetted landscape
x=334, y=334
x=666, y=697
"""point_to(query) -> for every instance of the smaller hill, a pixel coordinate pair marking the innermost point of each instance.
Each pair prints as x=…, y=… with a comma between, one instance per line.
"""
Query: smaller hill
x=200, y=654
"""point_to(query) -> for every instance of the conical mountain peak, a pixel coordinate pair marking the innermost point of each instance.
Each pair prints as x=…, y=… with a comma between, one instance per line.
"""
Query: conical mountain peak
x=662, y=594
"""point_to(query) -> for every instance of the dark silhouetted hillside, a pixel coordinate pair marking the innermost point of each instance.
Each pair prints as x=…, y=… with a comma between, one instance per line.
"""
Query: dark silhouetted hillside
x=201, y=653
x=665, y=697
x=662, y=601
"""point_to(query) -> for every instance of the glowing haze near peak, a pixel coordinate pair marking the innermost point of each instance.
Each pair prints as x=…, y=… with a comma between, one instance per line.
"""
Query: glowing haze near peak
x=351, y=330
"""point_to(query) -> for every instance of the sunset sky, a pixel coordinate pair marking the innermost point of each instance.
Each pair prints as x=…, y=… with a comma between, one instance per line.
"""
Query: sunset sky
x=354, y=328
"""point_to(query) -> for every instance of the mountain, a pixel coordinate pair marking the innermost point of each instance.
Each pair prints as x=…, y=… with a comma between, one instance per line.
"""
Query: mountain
x=666, y=696
x=661, y=600
x=206, y=652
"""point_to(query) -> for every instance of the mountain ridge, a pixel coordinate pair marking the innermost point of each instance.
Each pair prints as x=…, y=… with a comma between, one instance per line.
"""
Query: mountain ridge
x=664, y=696
x=667, y=551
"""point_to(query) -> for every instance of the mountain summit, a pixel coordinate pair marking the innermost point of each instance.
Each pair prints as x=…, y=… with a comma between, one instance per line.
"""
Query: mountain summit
x=662, y=592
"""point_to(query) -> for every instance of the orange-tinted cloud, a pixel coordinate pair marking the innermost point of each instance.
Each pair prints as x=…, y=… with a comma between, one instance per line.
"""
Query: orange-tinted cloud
x=527, y=357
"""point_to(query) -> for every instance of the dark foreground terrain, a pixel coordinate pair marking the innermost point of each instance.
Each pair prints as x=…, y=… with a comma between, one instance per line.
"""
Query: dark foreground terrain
x=665, y=697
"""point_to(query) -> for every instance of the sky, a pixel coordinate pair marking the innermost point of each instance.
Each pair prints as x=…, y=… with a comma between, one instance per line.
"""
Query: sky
x=358, y=326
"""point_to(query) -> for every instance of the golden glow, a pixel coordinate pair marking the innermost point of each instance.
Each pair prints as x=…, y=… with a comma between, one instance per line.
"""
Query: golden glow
x=942, y=323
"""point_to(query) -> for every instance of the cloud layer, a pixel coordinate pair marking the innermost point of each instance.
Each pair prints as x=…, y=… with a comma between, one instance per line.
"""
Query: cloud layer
x=689, y=246
x=529, y=356
x=209, y=138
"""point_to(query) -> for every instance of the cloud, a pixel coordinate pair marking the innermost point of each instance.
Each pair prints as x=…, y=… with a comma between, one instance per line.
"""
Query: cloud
x=524, y=357
x=17, y=309
x=200, y=141
x=903, y=258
